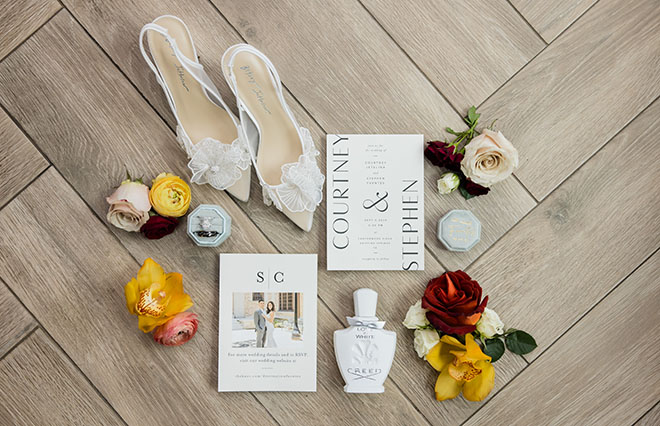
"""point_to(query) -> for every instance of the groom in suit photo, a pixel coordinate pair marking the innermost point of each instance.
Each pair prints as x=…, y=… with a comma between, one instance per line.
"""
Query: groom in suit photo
x=260, y=324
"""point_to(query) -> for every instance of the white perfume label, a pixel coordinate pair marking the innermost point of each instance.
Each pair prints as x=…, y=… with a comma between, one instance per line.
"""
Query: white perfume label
x=267, y=322
x=375, y=202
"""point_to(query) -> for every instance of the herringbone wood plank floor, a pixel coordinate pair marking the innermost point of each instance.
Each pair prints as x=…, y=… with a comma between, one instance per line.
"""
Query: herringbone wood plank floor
x=569, y=247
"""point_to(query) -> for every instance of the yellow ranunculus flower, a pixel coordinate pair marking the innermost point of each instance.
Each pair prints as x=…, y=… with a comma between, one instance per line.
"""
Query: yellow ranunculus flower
x=169, y=195
x=155, y=296
x=462, y=367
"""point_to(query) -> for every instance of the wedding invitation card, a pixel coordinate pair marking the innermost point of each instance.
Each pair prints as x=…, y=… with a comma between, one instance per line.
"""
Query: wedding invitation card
x=267, y=333
x=375, y=193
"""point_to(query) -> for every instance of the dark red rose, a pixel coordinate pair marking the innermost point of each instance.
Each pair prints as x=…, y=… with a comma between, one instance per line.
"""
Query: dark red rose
x=473, y=188
x=159, y=226
x=454, y=304
x=442, y=155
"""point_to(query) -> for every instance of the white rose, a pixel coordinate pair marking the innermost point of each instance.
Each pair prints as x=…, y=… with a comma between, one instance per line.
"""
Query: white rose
x=489, y=158
x=448, y=182
x=490, y=324
x=129, y=206
x=425, y=340
x=416, y=316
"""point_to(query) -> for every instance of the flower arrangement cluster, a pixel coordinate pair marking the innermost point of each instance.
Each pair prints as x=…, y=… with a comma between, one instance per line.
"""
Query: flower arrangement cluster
x=154, y=212
x=460, y=337
x=474, y=160
x=159, y=301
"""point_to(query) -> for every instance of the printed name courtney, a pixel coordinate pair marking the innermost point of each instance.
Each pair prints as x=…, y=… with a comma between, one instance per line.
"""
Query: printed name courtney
x=376, y=202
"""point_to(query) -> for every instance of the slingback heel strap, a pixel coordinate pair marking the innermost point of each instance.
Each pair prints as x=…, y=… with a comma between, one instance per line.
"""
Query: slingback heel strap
x=194, y=68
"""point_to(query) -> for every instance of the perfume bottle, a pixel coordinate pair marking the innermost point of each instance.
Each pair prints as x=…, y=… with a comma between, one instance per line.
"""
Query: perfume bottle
x=364, y=351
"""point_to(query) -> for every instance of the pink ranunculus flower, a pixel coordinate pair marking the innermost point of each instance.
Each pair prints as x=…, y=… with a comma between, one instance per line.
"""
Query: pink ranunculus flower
x=178, y=330
x=129, y=206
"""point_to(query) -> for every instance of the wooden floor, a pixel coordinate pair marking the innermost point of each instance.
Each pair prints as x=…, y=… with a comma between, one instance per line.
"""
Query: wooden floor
x=569, y=246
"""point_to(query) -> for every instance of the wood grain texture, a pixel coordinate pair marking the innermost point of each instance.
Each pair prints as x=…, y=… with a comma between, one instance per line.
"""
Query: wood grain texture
x=86, y=314
x=468, y=49
x=341, y=65
x=580, y=91
x=111, y=97
x=20, y=18
x=16, y=320
x=582, y=240
x=549, y=19
x=591, y=376
x=652, y=418
x=20, y=162
x=39, y=385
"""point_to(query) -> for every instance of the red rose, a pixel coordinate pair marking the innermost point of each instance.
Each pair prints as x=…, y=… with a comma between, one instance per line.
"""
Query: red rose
x=473, y=188
x=454, y=304
x=442, y=155
x=159, y=226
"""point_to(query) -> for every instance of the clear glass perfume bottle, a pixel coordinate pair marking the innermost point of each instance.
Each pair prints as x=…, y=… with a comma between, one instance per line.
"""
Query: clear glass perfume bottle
x=364, y=350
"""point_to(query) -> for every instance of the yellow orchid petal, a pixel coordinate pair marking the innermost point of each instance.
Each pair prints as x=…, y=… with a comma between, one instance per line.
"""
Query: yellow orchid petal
x=150, y=273
x=474, y=352
x=173, y=283
x=146, y=324
x=178, y=303
x=446, y=387
x=452, y=341
x=439, y=356
x=132, y=293
x=479, y=388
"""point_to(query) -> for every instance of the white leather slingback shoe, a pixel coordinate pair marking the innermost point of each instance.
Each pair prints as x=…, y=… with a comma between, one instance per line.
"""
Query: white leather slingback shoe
x=283, y=153
x=206, y=128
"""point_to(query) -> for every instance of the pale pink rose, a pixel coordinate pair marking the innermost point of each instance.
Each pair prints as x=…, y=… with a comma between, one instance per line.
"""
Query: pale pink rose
x=489, y=158
x=178, y=330
x=129, y=206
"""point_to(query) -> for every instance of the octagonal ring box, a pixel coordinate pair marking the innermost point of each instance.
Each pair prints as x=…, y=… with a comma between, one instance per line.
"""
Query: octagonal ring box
x=459, y=230
x=209, y=225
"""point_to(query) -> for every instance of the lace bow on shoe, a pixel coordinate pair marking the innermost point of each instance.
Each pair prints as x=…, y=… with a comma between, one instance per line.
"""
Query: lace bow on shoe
x=213, y=162
x=302, y=182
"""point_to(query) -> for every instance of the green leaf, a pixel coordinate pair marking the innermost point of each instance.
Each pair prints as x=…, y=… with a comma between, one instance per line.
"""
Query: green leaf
x=450, y=130
x=472, y=114
x=464, y=193
x=520, y=343
x=494, y=348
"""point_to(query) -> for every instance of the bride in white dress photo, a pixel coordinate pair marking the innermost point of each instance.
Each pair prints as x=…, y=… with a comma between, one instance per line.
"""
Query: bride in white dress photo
x=270, y=325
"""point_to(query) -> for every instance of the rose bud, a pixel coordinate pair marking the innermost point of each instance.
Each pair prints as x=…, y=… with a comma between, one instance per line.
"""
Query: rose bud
x=448, y=182
x=442, y=154
x=129, y=206
x=178, y=330
x=158, y=226
x=489, y=158
x=454, y=304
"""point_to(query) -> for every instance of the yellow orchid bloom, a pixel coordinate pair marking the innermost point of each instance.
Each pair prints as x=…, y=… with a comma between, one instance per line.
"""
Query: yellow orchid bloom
x=155, y=296
x=462, y=367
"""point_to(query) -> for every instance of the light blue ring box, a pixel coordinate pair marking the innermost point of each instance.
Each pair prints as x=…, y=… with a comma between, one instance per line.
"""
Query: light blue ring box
x=220, y=222
x=459, y=230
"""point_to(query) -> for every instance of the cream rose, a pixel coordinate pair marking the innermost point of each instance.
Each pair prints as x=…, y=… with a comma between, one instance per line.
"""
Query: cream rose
x=425, y=340
x=489, y=158
x=129, y=206
x=448, y=182
x=416, y=316
x=490, y=324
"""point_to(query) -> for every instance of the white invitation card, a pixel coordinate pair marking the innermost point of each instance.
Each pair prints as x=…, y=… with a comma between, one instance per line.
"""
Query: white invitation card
x=267, y=337
x=375, y=196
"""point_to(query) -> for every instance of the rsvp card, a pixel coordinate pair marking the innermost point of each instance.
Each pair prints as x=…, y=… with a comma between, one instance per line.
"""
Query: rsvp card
x=267, y=322
x=375, y=211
